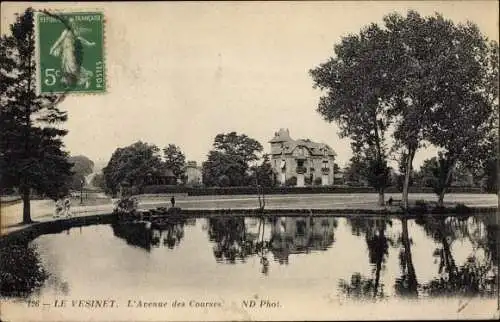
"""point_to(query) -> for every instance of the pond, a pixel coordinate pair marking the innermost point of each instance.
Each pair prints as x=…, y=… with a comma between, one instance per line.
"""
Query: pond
x=288, y=267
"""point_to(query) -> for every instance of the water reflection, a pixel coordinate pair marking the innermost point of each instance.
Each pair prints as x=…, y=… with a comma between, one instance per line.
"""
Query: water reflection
x=359, y=258
x=406, y=285
x=232, y=239
x=377, y=243
x=477, y=275
x=167, y=233
x=295, y=235
x=237, y=238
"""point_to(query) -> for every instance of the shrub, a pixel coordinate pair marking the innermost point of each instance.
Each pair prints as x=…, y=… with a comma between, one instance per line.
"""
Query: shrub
x=421, y=206
x=21, y=271
x=291, y=182
x=318, y=181
x=126, y=205
x=461, y=208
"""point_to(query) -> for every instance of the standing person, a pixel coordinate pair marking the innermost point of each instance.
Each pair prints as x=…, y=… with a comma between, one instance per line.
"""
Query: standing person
x=59, y=208
x=172, y=201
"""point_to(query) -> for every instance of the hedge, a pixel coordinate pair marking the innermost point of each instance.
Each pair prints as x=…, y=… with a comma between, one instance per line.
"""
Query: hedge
x=207, y=191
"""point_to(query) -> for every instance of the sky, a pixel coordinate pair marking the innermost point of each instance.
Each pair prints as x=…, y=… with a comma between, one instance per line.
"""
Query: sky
x=182, y=72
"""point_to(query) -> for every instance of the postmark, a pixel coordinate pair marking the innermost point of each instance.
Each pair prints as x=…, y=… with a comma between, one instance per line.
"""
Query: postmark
x=70, y=52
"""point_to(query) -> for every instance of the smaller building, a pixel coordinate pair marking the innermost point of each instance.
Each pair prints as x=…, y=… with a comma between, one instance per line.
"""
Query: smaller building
x=193, y=173
x=163, y=177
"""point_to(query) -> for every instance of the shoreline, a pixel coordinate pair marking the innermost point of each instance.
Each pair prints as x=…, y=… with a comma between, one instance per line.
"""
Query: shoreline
x=28, y=232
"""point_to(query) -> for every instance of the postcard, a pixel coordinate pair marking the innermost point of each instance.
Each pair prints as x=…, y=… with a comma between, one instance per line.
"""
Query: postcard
x=221, y=161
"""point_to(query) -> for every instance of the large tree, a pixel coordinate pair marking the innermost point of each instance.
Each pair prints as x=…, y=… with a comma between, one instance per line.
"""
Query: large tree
x=424, y=79
x=31, y=154
x=443, y=89
x=82, y=167
x=175, y=160
x=228, y=163
x=357, y=89
x=131, y=165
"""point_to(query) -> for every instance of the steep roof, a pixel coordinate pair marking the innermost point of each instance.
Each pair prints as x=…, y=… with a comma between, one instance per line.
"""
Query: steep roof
x=288, y=145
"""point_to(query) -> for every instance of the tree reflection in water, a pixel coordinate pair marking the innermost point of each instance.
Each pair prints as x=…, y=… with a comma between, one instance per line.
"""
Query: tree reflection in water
x=295, y=235
x=374, y=230
x=231, y=239
x=287, y=235
x=477, y=276
x=167, y=233
x=406, y=285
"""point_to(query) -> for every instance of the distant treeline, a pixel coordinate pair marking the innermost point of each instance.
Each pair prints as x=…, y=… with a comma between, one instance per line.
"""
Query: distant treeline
x=247, y=190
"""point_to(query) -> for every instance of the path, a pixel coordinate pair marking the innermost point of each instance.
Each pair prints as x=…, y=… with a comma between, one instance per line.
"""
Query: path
x=42, y=210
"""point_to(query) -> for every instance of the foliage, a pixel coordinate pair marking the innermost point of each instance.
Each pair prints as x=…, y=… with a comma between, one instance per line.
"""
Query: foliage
x=21, y=271
x=127, y=205
x=443, y=90
x=235, y=145
x=359, y=107
x=291, y=182
x=81, y=167
x=377, y=173
x=30, y=140
x=175, y=160
x=263, y=174
x=425, y=77
x=491, y=174
x=98, y=181
x=438, y=174
x=354, y=170
x=129, y=166
x=317, y=181
x=228, y=163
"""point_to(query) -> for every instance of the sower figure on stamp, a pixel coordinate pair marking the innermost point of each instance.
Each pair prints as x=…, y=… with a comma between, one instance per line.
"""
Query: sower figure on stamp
x=69, y=47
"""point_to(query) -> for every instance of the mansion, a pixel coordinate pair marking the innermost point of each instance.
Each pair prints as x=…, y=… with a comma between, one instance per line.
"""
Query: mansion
x=308, y=161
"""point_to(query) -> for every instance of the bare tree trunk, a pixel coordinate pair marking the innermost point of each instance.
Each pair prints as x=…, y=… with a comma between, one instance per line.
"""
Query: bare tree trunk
x=379, y=261
x=26, y=206
x=381, y=197
x=446, y=184
x=406, y=184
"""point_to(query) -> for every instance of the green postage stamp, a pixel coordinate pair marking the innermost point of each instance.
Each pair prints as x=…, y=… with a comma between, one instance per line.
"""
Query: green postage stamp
x=70, y=52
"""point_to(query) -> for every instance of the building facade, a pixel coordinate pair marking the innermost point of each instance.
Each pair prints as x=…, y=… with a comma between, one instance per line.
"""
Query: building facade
x=308, y=161
x=193, y=173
